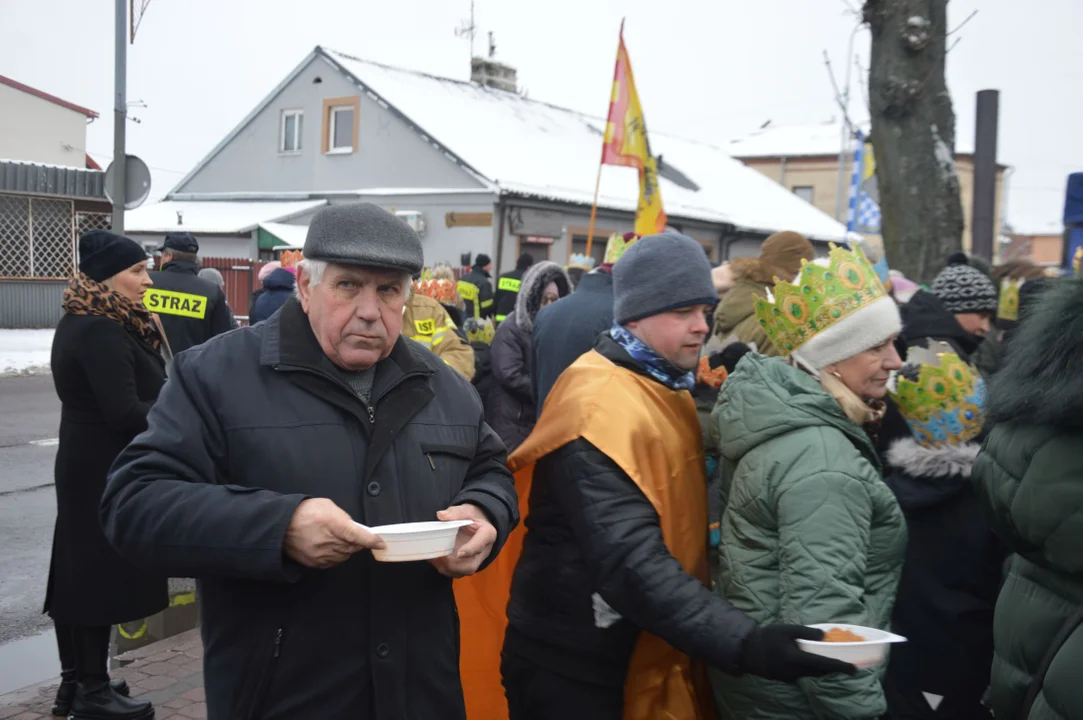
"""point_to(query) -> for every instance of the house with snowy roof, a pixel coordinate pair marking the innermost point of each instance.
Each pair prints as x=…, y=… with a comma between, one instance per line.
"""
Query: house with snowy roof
x=474, y=166
x=815, y=162
x=51, y=190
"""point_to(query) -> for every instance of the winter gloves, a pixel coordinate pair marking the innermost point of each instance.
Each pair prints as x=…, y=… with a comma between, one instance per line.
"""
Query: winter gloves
x=772, y=652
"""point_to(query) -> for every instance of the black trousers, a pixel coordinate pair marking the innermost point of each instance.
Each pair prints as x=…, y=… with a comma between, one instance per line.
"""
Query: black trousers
x=535, y=693
x=84, y=651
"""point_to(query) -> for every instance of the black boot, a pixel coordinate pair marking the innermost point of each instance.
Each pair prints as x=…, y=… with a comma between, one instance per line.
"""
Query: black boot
x=95, y=696
x=66, y=692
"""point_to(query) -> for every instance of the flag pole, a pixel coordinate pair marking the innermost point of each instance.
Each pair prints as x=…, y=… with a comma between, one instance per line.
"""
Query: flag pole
x=598, y=180
x=594, y=209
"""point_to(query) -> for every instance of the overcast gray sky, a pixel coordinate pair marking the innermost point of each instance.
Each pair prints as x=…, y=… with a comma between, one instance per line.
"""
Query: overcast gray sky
x=708, y=69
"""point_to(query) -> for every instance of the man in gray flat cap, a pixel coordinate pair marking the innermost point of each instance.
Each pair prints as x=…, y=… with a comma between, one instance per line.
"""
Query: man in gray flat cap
x=267, y=445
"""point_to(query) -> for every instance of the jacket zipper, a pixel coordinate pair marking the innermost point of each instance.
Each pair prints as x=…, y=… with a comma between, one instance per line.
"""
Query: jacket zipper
x=431, y=463
x=372, y=414
x=265, y=681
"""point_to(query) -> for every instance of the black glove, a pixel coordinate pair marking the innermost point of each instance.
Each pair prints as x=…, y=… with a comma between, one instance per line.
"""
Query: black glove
x=772, y=652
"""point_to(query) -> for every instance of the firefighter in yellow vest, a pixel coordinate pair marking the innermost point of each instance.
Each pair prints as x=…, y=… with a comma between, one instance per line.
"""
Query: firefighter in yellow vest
x=609, y=615
x=507, y=287
x=192, y=310
x=425, y=321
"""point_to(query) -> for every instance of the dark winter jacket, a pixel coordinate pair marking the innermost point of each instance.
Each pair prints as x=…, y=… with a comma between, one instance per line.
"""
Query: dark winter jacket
x=250, y=425
x=1029, y=478
x=476, y=290
x=510, y=406
x=507, y=290
x=926, y=319
x=192, y=310
x=567, y=329
x=106, y=379
x=949, y=585
x=277, y=289
x=592, y=530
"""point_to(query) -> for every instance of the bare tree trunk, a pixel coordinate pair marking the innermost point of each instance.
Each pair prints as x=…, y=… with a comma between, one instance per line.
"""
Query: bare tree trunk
x=913, y=135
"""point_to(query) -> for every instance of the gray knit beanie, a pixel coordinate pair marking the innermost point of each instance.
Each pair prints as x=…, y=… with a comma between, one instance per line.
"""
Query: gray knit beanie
x=363, y=234
x=965, y=289
x=661, y=273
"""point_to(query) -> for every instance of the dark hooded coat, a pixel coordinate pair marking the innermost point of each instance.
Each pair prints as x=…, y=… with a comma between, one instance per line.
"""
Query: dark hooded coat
x=1029, y=478
x=510, y=407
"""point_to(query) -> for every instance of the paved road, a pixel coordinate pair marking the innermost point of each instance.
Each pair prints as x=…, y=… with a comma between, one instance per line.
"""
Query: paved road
x=29, y=412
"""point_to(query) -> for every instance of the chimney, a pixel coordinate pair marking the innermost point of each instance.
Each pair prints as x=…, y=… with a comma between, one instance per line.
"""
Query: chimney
x=494, y=74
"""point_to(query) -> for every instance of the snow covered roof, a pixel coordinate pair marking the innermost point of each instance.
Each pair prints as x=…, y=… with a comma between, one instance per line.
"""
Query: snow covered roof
x=213, y=216
x=290, y=235
x=816, y=140
x=527, y=147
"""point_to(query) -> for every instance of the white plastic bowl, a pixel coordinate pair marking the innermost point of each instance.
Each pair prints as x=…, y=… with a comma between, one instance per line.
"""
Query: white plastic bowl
x=406, y=542
x=868, y=653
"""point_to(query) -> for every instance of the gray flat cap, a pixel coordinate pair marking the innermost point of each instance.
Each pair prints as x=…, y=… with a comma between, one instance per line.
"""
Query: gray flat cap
x=363, y=234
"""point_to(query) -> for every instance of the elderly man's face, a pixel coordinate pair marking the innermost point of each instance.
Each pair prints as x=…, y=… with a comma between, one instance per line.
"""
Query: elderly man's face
x=355, y=313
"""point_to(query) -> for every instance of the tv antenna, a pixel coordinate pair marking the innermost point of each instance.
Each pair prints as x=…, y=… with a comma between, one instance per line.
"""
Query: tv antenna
x=468, y=30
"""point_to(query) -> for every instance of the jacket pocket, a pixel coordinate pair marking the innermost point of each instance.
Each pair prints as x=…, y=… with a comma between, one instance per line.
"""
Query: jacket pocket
x=259, y=700
x=448, y=464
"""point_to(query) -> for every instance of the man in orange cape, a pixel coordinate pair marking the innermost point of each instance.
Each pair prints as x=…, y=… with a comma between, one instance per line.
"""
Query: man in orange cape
x=605, y=591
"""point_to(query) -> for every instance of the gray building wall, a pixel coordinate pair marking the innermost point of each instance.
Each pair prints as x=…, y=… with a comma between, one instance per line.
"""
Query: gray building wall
x=389, y=154
x=567, y=223
x=31, y=303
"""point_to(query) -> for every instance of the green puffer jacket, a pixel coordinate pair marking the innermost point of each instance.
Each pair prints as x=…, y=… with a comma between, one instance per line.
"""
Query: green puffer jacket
x=1029, y=476
x=810, y=533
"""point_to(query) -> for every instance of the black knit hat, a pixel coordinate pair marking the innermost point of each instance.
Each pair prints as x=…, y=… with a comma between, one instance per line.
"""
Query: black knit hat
x=103, y=254
x=482, y=260
x=963, y=288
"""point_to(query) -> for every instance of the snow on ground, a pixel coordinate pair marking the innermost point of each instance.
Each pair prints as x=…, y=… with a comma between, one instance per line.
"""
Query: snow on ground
x=25, y=352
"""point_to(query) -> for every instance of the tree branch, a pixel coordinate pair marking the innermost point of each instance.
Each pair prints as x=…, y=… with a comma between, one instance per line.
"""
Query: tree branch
x=964, y=22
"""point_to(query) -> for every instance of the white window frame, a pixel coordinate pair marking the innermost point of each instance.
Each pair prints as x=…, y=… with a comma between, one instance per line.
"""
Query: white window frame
x=811, y=200
x=331, y=148
x=298, y=128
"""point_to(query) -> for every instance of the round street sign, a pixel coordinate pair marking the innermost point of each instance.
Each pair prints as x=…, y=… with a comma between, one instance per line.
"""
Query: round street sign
x=136, y=182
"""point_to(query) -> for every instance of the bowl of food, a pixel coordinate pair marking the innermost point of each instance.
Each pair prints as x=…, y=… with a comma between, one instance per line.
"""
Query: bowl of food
x=863, y=647
x=406, y=542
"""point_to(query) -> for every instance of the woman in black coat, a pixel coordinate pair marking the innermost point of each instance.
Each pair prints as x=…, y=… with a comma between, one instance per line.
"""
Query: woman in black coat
x=510, y=407
x=108, y=367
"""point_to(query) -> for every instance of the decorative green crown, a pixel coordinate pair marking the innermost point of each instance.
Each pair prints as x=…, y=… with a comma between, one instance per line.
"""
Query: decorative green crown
x=945, y=404
x=1008, y=307
x=616, y=247
x=822, y=296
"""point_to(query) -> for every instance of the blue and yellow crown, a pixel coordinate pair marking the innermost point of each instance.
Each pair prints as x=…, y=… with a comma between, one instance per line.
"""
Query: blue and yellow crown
x=581, y=260
x=944, y=403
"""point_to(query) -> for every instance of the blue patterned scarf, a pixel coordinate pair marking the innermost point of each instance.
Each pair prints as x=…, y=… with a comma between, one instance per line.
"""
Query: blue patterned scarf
x=652, y=363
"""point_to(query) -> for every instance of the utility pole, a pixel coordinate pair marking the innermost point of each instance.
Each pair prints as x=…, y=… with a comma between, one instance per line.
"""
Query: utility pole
x=120, y=116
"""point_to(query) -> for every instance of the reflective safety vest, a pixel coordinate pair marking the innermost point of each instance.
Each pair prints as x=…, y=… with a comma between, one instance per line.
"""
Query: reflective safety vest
x=425, y=321
x=504, y=285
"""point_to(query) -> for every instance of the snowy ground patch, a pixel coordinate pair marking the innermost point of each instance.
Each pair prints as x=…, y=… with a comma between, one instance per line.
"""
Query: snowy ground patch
x=25, y=352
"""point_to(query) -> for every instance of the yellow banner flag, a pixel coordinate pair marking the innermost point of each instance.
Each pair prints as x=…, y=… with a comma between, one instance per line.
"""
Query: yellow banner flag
x=626, y=144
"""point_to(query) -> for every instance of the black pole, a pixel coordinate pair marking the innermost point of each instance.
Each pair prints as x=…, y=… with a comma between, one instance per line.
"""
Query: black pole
x=983, y=228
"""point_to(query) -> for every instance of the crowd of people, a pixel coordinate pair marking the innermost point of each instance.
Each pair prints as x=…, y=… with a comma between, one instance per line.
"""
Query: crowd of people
x=675, y=474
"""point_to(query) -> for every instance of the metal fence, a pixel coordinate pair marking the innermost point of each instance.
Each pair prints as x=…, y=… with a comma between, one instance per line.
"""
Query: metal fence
x=38, y=236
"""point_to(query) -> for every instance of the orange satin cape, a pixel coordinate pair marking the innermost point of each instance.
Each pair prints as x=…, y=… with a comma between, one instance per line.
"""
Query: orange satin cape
x=653, y=434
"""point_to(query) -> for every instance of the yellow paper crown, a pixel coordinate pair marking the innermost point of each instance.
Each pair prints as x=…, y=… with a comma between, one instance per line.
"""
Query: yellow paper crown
x=1008, y=306
x=945, y=404
x=821, y=296
x=616, y=247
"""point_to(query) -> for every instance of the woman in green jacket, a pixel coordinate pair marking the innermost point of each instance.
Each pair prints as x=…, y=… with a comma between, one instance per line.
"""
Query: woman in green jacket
x=810, y=533
x=1029, y=477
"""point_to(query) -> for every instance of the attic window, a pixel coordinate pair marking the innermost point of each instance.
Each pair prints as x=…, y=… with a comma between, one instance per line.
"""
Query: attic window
x=290, y=136
x=340, y=125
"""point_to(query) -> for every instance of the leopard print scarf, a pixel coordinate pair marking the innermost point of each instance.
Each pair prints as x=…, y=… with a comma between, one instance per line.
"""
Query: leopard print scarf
x=89, y=297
